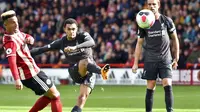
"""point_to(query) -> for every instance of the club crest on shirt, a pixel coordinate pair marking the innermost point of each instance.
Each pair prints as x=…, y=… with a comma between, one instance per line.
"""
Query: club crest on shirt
x=8, y=51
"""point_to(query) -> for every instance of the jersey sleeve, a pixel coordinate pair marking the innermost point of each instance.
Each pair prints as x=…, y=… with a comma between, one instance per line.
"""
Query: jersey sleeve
x=55, y=45
x=87, y=36
x=88, y=41
x=10, y=48
x=13, y=67
x=141, y=33
x=170, y=25
x=29, y=39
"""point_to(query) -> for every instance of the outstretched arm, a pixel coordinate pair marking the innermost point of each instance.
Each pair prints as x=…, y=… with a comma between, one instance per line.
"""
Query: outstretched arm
x=55, y=45
x=40, y=50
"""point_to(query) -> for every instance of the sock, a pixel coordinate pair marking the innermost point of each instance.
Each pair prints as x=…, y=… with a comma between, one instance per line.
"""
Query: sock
x=149, y=100
x=169, y=99
x=93, y=68
x=40, y=104
x=56, y=105
x=76, y=109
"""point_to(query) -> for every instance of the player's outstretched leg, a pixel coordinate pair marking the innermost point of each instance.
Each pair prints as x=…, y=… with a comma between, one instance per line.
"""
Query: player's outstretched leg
x=104, y=71
x=93, y=68
x=84, y=93
x=90, y=66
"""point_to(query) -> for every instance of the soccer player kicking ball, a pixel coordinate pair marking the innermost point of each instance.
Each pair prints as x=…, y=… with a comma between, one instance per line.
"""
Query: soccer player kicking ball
x=23, y=67
x=77, y=47
x=158, y=62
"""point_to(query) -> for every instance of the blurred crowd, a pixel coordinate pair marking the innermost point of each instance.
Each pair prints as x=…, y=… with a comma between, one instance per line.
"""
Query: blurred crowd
x=110, y=22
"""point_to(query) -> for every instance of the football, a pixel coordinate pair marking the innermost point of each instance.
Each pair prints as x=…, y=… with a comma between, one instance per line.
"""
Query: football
x=145, y=18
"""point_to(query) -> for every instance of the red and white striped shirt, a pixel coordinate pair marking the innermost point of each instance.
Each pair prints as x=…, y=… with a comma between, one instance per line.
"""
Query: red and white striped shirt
x=16, y=47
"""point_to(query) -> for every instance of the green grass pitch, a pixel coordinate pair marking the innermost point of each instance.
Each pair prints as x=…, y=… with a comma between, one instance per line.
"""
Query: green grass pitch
x=104, y=99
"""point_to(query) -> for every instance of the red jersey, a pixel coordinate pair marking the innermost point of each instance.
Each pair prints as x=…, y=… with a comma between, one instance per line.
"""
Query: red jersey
x=16, y=47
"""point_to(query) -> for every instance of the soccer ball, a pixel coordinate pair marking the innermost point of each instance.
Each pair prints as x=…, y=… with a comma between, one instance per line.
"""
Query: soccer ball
x=145, y=18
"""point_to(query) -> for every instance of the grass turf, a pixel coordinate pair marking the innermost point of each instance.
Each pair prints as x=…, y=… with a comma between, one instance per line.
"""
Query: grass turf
x=104, y=99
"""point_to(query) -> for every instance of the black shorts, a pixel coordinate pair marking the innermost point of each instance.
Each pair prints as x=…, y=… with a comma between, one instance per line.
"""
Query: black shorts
x=153, y=70
x=88, y=80
x=39, y=83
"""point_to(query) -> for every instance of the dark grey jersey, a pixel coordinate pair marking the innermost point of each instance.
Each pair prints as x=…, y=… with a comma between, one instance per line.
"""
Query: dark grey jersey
x=157, y=41
x=81, y=52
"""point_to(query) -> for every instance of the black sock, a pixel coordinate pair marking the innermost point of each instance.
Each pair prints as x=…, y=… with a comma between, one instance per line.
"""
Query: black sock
x=169, y=99
x=93, y=68
x=149, y=100
x=76, y=109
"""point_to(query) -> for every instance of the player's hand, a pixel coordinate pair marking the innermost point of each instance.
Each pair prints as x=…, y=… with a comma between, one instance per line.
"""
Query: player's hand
x=134, y=68
x=70, y=48
x=18, y=84
x=29, y=41
x=174, y=65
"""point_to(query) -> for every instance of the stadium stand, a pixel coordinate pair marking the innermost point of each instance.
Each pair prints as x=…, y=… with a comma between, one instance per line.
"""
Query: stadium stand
x=110, y=22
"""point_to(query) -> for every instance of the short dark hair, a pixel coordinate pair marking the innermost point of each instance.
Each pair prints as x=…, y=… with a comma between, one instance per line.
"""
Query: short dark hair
x=8, y=14
x=70, y=21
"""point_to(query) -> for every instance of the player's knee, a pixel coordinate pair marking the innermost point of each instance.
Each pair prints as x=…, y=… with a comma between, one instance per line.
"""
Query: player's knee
x=151, y=84
x=83, y=97
x=53, y=93
x=166, y=82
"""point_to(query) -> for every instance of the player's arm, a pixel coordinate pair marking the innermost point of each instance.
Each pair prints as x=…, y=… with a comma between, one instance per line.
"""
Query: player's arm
x=55, y=45
x=88, y=41
x=175, y=45
x=10, y=48
x=28, y=39
x=175, y=42
x=138, y=49
x=174, y=37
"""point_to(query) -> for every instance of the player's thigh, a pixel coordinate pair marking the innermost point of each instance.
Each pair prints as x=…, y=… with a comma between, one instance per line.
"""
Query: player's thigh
x=165, y=70
x=166, y=81
x=151, y=84
x=82, y=67
x=39, y=83
x=150, y=71
x=88, y=83
x=90, y=80
x=74, y=74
